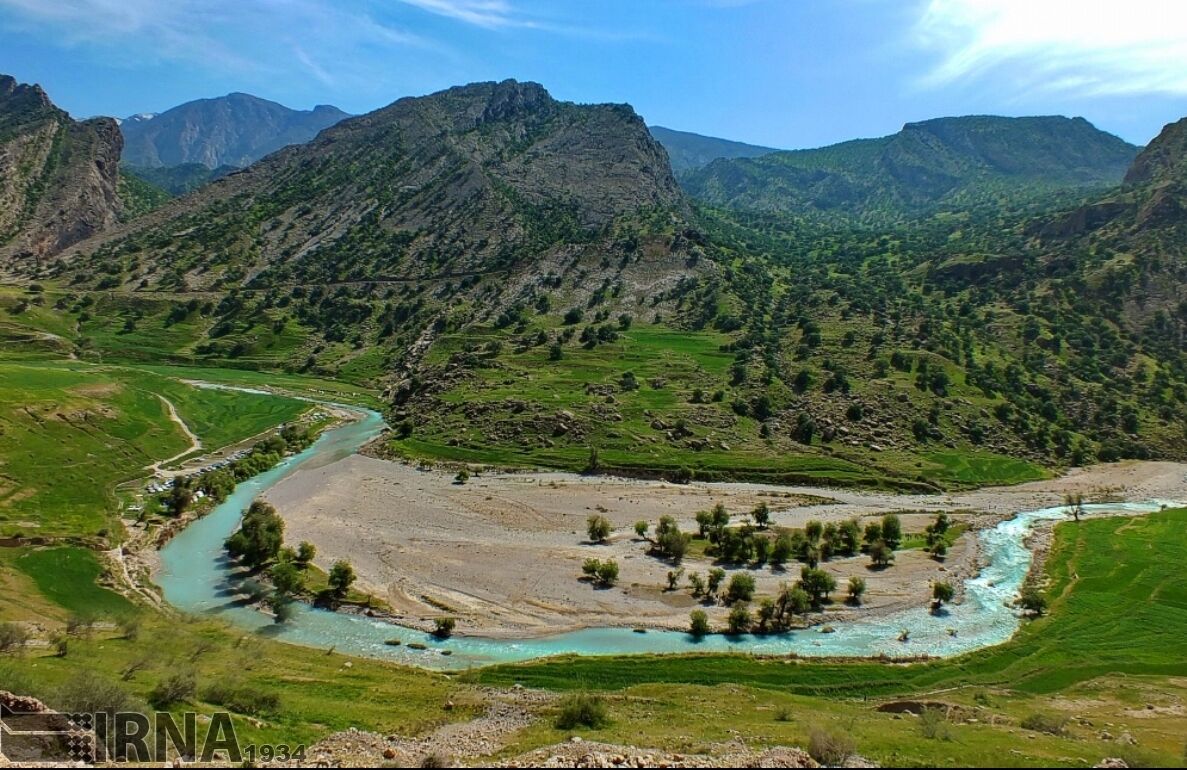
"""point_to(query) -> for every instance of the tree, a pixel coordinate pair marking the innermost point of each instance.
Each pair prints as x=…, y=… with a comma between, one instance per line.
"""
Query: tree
x=881, y=554
x=761, y=514
x=766, y=614
x=782, y=550
x=817, y=583
x=716, y=575
x=741, y=588
x=341, y=577
x=698, y=623
x=739, y=619
x=286, y=578
x=259, y=537
x=873, y=533
x=641, y=529
x=696, y=583
x=599, y=528
x=793, y=600
x=849, y=537
x=857, y=589
x=1074, y=502
x=443, y=627
x=941, y=593
x=892, y=530
x=462, y=476
x=306, y=552
x=674, y=576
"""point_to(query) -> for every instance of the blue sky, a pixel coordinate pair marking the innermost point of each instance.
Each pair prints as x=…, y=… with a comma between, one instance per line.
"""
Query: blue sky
x=786, y=73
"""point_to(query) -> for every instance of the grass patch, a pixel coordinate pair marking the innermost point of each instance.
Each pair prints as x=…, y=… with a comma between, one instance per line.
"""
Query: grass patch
x=97, y=427
x=67, y=577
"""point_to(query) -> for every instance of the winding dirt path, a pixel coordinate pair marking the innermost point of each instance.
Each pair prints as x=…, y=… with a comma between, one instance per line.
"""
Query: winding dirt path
x=195, y=442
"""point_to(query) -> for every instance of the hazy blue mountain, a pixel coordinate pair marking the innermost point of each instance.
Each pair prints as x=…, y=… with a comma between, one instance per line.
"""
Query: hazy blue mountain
x=688, y=151
x=233, y=130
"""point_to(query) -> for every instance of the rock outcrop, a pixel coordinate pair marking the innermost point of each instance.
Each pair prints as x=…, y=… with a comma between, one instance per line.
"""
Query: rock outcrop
x=58, y=176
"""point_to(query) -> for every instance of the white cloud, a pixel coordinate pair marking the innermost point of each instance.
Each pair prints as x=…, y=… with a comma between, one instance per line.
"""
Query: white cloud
x=1088, y=47
x=491, y=14
x=258, y=36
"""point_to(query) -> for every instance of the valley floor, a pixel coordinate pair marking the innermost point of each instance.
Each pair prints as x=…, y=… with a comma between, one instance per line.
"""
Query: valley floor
x=503, y=552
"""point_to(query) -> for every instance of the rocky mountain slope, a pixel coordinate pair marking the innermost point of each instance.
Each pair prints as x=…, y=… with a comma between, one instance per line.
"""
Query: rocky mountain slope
x=59, y=177
x=476, y=179
x=688, y=151
x=233, y=130
x=935, y=164
x=1127, y=248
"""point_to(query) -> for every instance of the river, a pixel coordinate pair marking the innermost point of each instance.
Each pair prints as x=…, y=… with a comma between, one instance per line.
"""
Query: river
x=197, y=577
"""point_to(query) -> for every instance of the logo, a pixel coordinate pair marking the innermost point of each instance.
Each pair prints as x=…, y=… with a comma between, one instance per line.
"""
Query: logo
x=104, y=737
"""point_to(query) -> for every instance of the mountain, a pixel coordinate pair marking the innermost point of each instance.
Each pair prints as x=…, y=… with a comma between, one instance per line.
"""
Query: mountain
x=688, y=151
x=1127, y=248
x=140, y=117
x=233, y=130
x=927, y=166
x=471, y=180
x=525, y=283
x=176, y=180
x=59, y=178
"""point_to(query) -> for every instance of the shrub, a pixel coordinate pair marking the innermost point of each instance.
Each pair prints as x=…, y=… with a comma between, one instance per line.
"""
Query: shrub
x=598, y=528
x=857, y=588
x=13, y=637
x=242, y=700
x=1045, y=723
x=173, y=689
x=443, y=627
x=698, y=623
x=741, y=588
x=740, y=619
x=583, y=710
x=829, y=748
x=608, y=573
x=933, y=724
x=341, y=577
x=1032, y=600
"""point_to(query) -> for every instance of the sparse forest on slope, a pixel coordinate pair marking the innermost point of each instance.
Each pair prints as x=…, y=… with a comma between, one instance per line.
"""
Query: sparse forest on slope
x=527, y=284
x=935, y=165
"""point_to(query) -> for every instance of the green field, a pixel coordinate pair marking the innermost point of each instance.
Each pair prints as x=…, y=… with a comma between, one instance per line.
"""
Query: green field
x=71, y=432
x=67, y=577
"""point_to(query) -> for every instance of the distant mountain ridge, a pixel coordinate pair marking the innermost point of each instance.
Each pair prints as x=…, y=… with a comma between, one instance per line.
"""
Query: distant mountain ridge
x=927, y=165
x=59, y=178
x=688, y=151
x=233, y=130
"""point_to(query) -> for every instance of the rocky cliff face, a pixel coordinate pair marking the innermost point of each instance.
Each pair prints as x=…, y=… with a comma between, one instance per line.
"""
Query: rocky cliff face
x=233, y=130
x=1164, y=159
x=58, y=176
